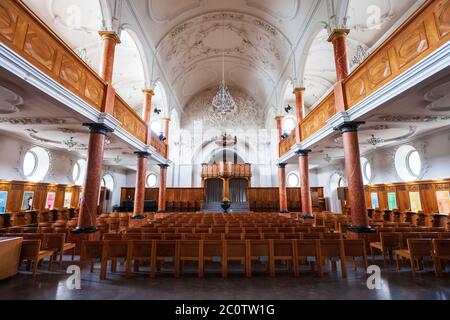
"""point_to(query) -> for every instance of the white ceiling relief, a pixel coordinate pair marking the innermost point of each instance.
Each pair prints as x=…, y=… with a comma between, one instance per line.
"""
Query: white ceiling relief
x=9, y=101
x=167, y=10
x=247, y=113
x=199, y=41
x=439, y=98
x=280, y=9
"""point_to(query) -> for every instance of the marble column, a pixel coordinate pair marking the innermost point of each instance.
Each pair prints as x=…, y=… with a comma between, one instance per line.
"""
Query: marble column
x=226, y=188
x=357, y=201
x=147, y=106
x=279, y=121
x=139, y=192
x=110, y=40
x=282, y=187
x=88, y=209
x=339, y=40
x=299, y=110
x=166, y=122
x=305, y=191
x=162, y=187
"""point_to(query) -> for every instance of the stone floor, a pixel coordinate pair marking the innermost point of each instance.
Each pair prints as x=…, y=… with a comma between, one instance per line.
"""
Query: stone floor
x=395, y=285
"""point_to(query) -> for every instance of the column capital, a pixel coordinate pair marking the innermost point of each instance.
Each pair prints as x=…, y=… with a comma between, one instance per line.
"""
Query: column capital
x=166, y=118
x=142, y=154
x=302, y=153
x=163, y=165
x=110, y=35
x=148, y=91
x=98, y=128
x=349, y=126
x=281, y=165
x=279, y=117
x=337, y=33
x=298, y=90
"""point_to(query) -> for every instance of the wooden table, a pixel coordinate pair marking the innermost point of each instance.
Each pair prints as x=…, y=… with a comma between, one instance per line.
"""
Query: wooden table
x=9, y=256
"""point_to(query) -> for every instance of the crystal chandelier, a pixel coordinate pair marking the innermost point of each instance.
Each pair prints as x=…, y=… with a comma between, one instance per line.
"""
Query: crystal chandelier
x=223, y=101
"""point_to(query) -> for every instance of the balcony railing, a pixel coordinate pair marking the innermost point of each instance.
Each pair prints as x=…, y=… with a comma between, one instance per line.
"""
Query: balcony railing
x=25, y=34
x=423, y=33
x=226, y=170
x=286, y=144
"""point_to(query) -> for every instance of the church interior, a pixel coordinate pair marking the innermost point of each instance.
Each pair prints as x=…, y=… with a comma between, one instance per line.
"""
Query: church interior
x=188, y=149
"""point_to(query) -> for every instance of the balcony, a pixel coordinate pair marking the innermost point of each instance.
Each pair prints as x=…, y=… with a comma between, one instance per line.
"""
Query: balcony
x=421, y=35
x=226, y=170
x=28, y=37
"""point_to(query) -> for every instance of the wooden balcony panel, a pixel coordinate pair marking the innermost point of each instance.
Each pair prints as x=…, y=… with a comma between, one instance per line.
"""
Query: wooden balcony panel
x=425, y=31
x=286, y=144
x=230, y=170
x=24, y=33
x=318, y=117
x=155, y=142
x=130, y=120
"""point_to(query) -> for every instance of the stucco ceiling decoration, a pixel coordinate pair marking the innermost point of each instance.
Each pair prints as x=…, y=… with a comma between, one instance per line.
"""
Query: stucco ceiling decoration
x=439, y=98
x=9, y=101
x=167, y=10
x=280, y=9
x=246, y=115
x=198, y=42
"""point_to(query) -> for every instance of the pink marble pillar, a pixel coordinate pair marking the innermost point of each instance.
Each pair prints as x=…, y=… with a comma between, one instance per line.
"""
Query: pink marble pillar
x=88, y=209
x=282, y=187
x=339, y=40
x=305, y=191
x=299, y=109
x=357, y=201
x=162, y=187
x=166, y=122
x=110, y=40
x=147, y=106
x=139, y=193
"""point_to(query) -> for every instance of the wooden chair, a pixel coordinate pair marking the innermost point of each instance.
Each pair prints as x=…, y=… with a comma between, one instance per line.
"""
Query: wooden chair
x=318, y=229
x=213, y=249
x=165, y=249
x=333, y=249
x=293, y=236
x=312, y=235
x=389, y=241
x=139, y=250
x=232, y=236
x=272, y=236
x=441, y=255
x=444, y=235
x=284, y=251
x=356, y=248
x=417, y=249
x=32, y=253
x=327, y=235
x=152, y=236
x=29, y=229
x=429, y=235
x=211, y=236
x=305, y=249
x=133, y=236
x=46, y=230
x=191, y=250
x=172, y=236
x=258, y=249
x=186, y=230
x=251, y=236
x=91, y=250
x=193, y=236
x=112, y=236
x=408, y=235
x=112, y=250
x=235, y=250
x=56, y=242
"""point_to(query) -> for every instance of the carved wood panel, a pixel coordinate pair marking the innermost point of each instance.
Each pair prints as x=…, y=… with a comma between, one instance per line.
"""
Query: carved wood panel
x=286, y=144
x=32, y=40
x=130, y=121
x=423, y=33
x=317, y=119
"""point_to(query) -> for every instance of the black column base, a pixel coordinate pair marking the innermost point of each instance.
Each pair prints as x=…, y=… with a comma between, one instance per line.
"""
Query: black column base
x=307, y=216
x=92, y=229
x=284, y=211
x=138, y=217
x=356, y=229
x=163, y=211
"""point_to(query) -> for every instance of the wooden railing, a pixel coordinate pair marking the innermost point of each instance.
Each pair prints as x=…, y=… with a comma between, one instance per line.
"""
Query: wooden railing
x=24, y=33
x=155, y=142
x=317, y=118
x=226, y=170
x=423, y=33
x=286, y=144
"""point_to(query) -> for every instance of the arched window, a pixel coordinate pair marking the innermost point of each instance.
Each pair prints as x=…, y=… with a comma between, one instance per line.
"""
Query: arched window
x=408, y=163
x=288, y=124
x=366, y=170
x=79, y=172
x=152, y=180
x=108, y=182
x=36, y=164
x=293, y=180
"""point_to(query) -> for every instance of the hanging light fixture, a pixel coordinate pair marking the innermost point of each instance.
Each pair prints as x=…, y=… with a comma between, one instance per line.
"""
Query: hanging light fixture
x=223, y=101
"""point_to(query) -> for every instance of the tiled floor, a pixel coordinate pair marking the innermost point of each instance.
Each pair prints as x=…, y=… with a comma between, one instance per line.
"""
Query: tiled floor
x=395, y=285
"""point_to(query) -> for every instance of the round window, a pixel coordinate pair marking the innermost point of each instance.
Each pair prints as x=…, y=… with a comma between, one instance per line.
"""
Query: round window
x=408, y=163
x=366, y=170
x=79, y=171
x=293, y=180
x=36, y=164
x=152, y=180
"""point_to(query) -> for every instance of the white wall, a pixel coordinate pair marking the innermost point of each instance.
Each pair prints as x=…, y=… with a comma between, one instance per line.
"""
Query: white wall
x=434, y=150
x=61, y=165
